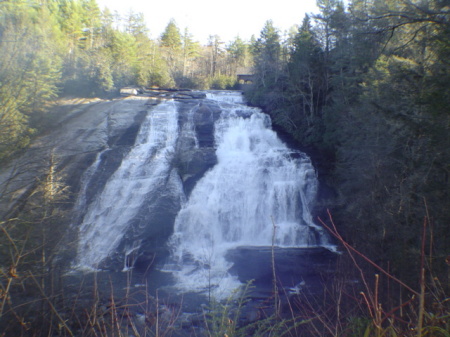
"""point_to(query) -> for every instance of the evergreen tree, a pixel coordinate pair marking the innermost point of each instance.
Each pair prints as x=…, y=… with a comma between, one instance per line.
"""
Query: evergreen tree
x=389, y=139
x=124, y=54
x=171, y=47
x=307, y=74
x=215, y=52
x=266, y=51
x=151, y=69
x=239, y=55
x=29, y=72
x=191, y=50
x=91, y=20
x=135, y=24
x=267, y=56
x=171, y=37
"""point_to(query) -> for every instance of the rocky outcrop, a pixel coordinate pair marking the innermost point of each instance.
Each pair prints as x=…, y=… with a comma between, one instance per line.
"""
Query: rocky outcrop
x=194, y=155
x=193, y=162
x=103, y=132
x=84, y=130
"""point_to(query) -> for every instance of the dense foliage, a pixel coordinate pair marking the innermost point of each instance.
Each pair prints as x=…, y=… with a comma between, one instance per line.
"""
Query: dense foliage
x=72, y=48
x=368, y=88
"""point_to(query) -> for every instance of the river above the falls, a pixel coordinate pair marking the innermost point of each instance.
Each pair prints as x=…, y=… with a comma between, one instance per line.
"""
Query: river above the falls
x=201, y=200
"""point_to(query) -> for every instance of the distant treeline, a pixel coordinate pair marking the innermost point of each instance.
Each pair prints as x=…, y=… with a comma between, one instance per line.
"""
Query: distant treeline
x=72, y=48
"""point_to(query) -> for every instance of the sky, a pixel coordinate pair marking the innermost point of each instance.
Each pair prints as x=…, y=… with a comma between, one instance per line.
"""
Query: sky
x=226, y=18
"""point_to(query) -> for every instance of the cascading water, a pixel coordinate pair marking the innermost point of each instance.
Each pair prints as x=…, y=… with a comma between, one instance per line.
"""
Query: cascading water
x=258, y=183
x=255, y=192
x=145, y=168
x=226, y=97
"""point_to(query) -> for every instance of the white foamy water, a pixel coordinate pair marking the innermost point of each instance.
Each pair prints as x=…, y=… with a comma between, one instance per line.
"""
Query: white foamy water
x=144, y=169
x=234, y=97
x=257, y=182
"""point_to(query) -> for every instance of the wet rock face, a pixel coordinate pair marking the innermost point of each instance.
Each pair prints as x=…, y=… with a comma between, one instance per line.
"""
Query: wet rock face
x=150, y=229
x=84, y=129
x=191, y=161
x=103, y=132
x=205, y=117
x=194, y=156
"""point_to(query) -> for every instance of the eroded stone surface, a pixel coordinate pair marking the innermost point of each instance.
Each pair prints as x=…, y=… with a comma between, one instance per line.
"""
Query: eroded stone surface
x=105, y=131
x=85, y=130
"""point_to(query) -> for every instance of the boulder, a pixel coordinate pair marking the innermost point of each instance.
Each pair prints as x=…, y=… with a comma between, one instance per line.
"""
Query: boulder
x=129, y=91
x=190, y=95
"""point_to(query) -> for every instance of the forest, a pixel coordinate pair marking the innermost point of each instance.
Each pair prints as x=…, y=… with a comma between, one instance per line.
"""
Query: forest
x=367, y=88
x=363, y=88
x=53, y=49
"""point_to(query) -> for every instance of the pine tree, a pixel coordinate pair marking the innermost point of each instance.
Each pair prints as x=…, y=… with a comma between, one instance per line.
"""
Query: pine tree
x=239, y=55
x=308, y=73
x=215, y=52
x=191, y=49
x=267, y=55
x=266, y=52
x=29, y=72
x=171, y=47
x=91, y=21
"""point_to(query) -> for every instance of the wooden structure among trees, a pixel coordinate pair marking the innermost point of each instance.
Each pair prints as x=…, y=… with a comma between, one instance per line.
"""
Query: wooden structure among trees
x=245, y=75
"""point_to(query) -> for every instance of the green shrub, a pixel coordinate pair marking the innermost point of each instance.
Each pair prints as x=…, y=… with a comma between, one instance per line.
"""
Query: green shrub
x=222, y=82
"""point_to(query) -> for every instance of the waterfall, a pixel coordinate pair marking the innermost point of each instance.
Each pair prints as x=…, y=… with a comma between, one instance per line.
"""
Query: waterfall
x=258, y=183
x=226, y=96
x=143, y=170
x=252, y=190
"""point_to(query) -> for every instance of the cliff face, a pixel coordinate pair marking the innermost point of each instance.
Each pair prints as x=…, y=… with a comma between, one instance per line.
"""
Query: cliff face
x=83, y=131
x=103, y=132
